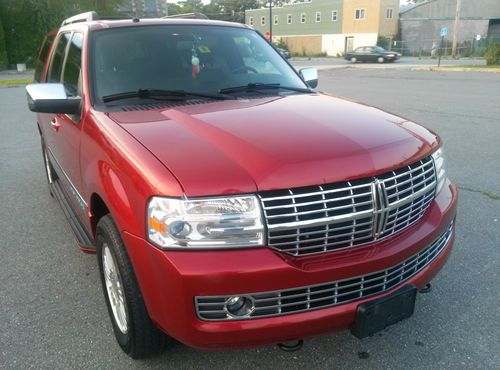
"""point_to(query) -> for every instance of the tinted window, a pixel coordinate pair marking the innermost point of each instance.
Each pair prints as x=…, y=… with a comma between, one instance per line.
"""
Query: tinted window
x=73, y=65
x=58, y=59
x=184, y=57
x=42, y=57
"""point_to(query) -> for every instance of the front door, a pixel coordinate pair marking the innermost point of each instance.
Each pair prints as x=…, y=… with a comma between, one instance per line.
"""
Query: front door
x=62, y=132
x=349, y=44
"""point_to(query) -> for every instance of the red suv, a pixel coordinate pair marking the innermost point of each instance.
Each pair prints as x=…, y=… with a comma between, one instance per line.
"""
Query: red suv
x=229, y=203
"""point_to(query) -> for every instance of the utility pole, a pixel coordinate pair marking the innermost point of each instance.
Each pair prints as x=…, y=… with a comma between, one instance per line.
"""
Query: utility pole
x=455, y=30
x=270, y=21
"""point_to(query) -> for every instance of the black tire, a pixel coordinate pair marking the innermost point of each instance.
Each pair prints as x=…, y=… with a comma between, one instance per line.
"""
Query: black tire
x=49, y=169
x=142, y=338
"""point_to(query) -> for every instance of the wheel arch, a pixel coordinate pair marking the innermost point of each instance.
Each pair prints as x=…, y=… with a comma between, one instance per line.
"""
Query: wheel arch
x=98, y=209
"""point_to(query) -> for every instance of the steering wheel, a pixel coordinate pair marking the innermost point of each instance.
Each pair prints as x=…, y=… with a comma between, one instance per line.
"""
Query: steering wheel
x=244, y=68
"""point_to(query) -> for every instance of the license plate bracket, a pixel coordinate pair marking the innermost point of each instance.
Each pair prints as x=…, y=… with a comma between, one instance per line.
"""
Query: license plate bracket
x=376, y=315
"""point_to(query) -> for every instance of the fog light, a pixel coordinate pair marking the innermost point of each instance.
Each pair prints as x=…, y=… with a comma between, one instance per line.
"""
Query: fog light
x=239, y=306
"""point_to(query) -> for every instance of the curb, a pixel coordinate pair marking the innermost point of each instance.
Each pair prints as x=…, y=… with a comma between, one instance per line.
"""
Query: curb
x=457, y=69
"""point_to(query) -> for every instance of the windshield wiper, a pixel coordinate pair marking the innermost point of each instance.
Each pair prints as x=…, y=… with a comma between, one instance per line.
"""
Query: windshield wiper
x=158, y=93
x=262, y=86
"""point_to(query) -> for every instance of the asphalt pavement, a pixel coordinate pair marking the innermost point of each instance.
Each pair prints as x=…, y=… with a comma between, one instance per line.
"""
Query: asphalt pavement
x=52, y=312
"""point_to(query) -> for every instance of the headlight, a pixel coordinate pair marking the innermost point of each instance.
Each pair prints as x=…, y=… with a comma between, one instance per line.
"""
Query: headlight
x=227, y=222
x=438, y=158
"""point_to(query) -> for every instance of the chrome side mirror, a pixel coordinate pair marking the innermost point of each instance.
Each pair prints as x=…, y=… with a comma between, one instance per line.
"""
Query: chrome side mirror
x=310, y=76
x=51, y=98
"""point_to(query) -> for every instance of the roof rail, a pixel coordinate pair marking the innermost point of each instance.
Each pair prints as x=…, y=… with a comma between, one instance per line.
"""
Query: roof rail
x=83, y=17
x=187, y=15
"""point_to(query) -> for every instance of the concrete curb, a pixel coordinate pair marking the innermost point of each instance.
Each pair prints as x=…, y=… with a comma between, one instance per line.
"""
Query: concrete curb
x=457, y=69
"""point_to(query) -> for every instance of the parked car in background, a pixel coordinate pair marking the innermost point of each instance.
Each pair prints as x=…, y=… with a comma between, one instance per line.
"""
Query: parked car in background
x=284, y=53
x=229, y=203
x=371, y=54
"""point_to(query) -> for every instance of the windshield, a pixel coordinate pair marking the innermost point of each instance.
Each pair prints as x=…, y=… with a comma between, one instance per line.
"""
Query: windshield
x=379, y=49
x=198, y=59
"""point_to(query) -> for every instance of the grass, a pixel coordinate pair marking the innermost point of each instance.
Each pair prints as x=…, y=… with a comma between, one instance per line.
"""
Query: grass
x=474, y=66
x=15, y=82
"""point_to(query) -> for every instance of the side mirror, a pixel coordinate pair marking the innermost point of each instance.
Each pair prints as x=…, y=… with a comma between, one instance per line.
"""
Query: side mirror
x=51, y=98
x=310, y=76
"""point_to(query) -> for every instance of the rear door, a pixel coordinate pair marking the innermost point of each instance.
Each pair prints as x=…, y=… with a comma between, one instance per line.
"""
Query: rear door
x=63, y=131
x=41, y=61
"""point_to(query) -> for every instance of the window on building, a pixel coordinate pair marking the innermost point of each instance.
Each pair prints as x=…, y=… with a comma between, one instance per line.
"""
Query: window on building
x=389, y=13
x=250, y=21
x=289, y=19
x=262, y=21
x=302, y=17
x=360, y=14
x=334, y=15
x=275, y=19
x=318, y=16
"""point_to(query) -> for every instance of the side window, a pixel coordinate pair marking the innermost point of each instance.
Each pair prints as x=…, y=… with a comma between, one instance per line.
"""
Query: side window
x=42, y=57
x=56, y=64
x=73, y=66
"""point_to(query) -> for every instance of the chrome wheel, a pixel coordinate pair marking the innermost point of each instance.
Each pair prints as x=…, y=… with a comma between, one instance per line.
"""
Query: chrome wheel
x=353, y=60
x=114, y=287
x=380, y=59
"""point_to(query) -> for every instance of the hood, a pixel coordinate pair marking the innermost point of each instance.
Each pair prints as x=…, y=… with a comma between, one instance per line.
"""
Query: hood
x=243, y=146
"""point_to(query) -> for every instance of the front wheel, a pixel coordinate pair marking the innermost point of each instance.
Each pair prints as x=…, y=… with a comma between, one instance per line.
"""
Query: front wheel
x=133, y=328
x=380, y=59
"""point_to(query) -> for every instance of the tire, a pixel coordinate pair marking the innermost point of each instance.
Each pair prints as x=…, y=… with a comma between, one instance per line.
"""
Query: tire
x=353, y=60
x=133, y=328
x=49, y=170
x=380, y=59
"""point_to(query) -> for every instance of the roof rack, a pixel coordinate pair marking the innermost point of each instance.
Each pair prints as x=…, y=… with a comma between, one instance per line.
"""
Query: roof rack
x=187, y=15
x=83, y=17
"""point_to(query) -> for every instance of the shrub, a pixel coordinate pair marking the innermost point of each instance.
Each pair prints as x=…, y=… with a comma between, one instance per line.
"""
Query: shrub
x=492, y=54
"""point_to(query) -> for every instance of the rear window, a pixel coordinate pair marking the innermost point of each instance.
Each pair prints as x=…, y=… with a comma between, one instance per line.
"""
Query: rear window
x=42, y=57
x=56, y=64
x=72, y=69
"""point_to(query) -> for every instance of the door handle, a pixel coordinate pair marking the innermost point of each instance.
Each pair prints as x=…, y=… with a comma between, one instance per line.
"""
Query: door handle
x=55, y=125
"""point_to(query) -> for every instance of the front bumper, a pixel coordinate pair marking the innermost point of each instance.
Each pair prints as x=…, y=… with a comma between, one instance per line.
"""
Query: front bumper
x=170, y=280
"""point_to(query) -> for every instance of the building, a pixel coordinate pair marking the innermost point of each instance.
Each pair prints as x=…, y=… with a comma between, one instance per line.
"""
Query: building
x=144, y=8
x=421, y=23
x=328, y=26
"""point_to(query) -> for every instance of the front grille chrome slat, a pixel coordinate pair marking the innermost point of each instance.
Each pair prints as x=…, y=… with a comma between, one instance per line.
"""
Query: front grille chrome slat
x=333, y=293
x=329, y=217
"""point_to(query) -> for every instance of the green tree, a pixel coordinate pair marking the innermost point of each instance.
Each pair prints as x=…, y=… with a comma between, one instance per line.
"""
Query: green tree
x=25, y=22
x=3, y=51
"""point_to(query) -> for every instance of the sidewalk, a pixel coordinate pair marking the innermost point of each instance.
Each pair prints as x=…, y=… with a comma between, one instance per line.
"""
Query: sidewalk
x=15, y=75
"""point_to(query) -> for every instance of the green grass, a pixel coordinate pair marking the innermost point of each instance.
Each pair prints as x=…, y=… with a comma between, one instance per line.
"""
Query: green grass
x=19, y=81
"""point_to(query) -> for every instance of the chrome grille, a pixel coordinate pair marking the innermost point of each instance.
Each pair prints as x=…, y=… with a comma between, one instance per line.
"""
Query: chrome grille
x=318, y=219
x=328, y=294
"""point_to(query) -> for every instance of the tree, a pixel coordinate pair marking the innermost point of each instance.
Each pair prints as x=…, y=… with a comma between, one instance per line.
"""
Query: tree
x=3, y=51
x=25, y=22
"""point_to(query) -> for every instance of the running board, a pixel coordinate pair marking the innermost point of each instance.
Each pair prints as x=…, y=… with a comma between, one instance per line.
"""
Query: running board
x=81, y=233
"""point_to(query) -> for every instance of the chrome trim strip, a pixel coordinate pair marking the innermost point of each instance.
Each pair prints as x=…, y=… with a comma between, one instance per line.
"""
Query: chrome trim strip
x=417, y=263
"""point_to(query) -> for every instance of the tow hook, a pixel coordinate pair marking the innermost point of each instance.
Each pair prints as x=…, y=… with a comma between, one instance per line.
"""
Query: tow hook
x=426, y=289
x=291, y=346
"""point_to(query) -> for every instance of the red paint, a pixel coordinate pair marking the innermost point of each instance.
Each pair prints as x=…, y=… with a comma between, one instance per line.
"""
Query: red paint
x=232, y=147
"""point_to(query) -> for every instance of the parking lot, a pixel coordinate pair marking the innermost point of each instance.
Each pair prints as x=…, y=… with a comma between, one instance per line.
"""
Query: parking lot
x=53, y=313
